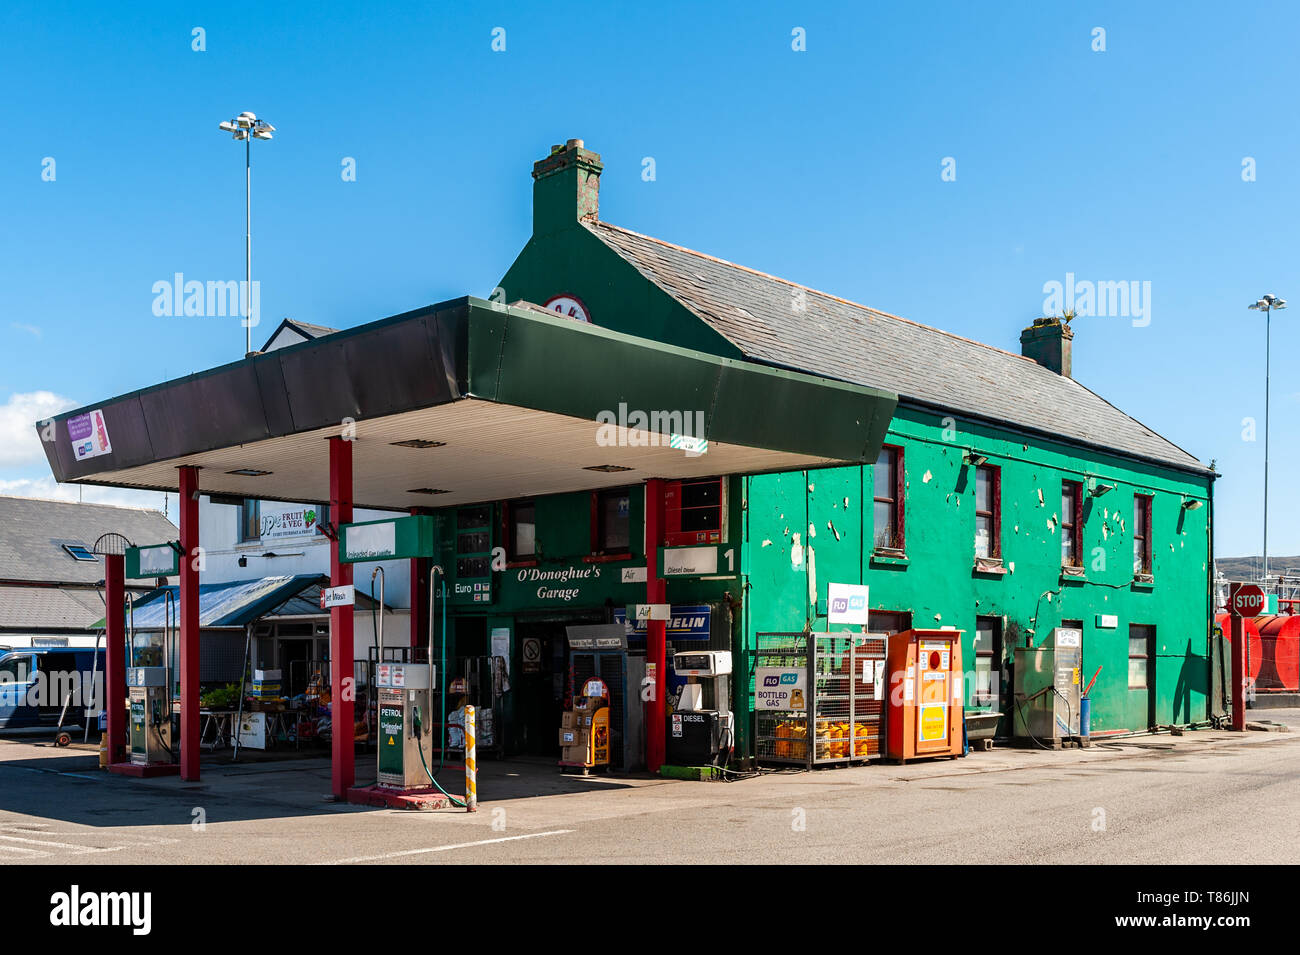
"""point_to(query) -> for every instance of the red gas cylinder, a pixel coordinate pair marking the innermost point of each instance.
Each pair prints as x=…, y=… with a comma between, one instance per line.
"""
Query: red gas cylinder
x=1254, y=645
x=1280, y=635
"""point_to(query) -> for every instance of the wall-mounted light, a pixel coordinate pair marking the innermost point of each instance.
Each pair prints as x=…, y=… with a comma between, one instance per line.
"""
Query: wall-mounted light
x=1097, y=489
x=243, y=560
x=1192, y=504
x=974, y=457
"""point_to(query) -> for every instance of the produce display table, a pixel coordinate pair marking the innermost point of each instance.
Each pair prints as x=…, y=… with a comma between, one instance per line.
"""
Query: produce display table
x=216, y=728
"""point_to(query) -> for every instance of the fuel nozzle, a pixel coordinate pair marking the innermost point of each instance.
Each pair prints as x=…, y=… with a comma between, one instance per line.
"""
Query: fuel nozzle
x=415, y=721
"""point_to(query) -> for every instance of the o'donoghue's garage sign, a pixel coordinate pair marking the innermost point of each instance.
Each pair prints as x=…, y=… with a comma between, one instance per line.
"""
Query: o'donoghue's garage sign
x=780, y=688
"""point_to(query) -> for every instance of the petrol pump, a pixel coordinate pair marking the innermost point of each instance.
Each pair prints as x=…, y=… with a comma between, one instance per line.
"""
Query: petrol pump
x=696, y=735
x=151, y=717
x=1048, y=689
x=924, y=715
x=407, y=724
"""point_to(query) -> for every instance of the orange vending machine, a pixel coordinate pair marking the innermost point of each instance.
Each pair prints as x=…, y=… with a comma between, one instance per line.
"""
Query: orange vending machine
x=925, y=695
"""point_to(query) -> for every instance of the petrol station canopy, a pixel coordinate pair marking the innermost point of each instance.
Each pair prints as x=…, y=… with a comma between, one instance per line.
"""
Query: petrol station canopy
x=463, y=402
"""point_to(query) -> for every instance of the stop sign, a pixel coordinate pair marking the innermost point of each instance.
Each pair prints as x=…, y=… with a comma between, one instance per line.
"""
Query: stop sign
x=1245, y=600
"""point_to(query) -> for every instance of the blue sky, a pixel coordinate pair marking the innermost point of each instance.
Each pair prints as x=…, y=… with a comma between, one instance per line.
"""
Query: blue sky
x=822, y=166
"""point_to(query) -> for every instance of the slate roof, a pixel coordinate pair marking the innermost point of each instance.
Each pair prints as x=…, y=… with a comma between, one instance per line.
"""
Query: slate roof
x=306, y=329
x=840, y=339
x=48, y=608
x=33, y=530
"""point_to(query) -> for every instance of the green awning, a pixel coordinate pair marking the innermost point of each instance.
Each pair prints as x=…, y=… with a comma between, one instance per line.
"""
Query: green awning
x=471, y=401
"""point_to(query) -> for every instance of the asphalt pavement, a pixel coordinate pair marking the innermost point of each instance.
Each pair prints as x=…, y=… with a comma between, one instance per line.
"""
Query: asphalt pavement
x=1207, y=797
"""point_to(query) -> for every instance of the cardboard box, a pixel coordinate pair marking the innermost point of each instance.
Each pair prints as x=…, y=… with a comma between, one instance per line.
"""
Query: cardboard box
x=573, y=737
x=569, y=720
x=574, y=754
x=266, y=676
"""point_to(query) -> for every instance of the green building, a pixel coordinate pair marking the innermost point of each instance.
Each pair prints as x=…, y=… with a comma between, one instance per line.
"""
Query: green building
x=1009, y=499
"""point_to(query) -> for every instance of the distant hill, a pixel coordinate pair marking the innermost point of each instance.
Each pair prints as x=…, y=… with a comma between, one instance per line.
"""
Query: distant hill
x=1247, y=568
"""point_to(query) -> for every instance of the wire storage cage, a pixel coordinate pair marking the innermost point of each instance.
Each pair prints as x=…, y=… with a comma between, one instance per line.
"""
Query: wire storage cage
x=832, y=711
x=781, y=726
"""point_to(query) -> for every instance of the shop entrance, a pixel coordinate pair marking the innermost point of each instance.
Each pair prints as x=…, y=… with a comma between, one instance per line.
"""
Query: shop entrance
x=543, y=687
x=543, y=684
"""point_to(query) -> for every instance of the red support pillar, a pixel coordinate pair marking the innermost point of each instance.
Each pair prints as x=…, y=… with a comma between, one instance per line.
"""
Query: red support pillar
x=114, y=699
x=342, y=688
x=1238, y=671
x=189, y=614
x=656, y=642
x=419, y=596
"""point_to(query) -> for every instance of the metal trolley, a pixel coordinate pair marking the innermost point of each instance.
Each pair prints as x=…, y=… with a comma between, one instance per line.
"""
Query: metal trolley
x=844, y=676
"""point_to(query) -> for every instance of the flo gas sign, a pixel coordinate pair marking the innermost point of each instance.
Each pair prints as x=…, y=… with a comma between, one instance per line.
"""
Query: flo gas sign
x=780, y=688
x=847, y=603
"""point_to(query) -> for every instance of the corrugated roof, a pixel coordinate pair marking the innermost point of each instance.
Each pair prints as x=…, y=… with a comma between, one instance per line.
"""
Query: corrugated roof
x=33, y=532
x=233, y=603
x=841, y=339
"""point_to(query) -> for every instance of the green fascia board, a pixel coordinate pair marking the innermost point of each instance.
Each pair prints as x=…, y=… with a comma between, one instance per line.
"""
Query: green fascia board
x=415, y=535
x=555, y=364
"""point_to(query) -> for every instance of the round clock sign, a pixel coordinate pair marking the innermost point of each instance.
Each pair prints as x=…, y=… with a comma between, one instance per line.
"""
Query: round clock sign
x=569, y=306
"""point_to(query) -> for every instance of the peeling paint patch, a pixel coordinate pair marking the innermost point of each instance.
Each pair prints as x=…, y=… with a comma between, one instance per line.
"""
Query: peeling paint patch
x=796, y=553
x=925, y=478
x=812, y=531
x=1040, y=497
x=831, y=527
x=811, y=488
x=1011, y=567
x=1105, y=531
x=1051, y=524
x=812, y=576
x=766, y=543
x=846, y=504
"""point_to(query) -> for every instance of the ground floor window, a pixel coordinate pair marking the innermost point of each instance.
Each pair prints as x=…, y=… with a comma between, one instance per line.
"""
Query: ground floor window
x=889, y=621
x=988, y=663
x=1140, y=639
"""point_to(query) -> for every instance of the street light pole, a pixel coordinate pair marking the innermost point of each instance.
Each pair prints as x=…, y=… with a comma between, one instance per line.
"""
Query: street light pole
x=1266, y=304
x=248, y=242
x=247, y=126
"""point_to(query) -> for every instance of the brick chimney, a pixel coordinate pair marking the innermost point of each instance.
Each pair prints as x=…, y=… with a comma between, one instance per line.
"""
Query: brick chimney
x=1049, y=342
x=566, y=187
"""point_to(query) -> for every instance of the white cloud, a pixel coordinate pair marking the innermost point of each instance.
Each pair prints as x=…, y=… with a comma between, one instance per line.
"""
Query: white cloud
x=19, y=442
x=48, y=488
x=24, y=327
